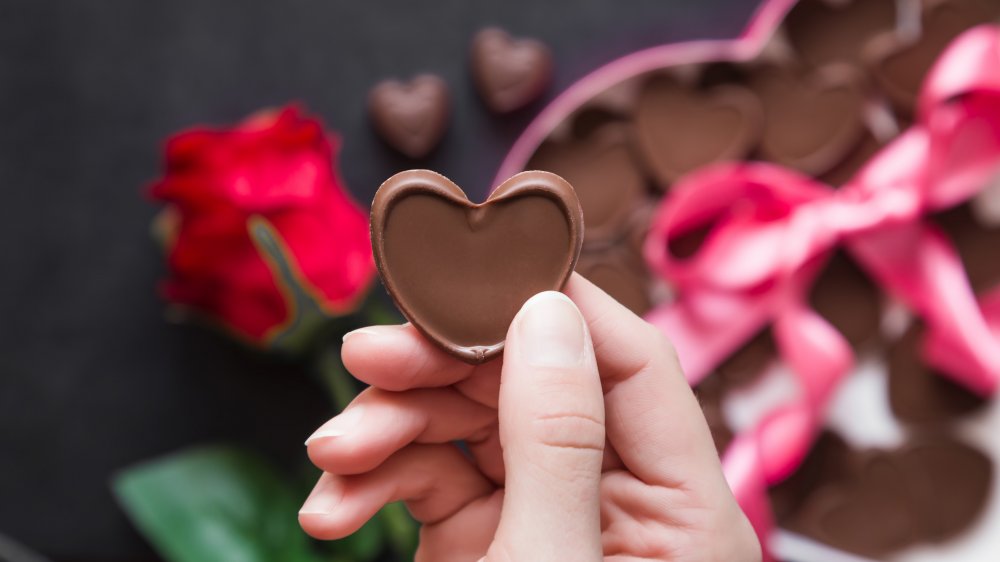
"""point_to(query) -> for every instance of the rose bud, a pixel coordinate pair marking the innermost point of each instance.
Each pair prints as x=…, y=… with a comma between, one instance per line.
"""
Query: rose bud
x=260, y=234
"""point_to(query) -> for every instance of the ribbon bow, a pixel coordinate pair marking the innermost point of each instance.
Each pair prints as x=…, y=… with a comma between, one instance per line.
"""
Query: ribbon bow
x=770, y=231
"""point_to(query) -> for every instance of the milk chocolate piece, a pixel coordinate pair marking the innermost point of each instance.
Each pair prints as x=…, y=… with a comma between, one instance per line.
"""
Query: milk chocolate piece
x=509, y=73
x=410, y=116
x=877, y=502
x=829, y=462
x=460, y=271
x=679, y=128
x=978, y=245
x=870, y=513
x=917, y=393
x=846, y=298
x=620, y=275
x=949, y=482
x=747, y=364
x=601, y=168
x=825, y=31
x=590, y=119
x=812, y=121
x=856, y=159
x=899, y=64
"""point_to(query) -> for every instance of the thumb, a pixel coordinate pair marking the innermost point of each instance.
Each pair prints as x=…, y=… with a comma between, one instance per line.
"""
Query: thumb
x=552, y=433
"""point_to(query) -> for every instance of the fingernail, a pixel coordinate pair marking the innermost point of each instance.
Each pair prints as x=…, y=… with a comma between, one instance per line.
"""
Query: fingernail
x=550, y=331
x=359, y=331
x=323, y=499
x=340, y=425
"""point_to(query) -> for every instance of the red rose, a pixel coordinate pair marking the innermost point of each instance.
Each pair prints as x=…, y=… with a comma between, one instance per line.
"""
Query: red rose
x=261, y=234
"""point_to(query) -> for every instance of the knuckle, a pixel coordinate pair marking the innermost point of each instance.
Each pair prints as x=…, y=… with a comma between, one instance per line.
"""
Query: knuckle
x=569, y=430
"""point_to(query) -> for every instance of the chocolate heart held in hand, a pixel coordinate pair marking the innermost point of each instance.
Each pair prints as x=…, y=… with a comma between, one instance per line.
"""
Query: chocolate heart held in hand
x=812, y=122
x=509, y=73
x=412, y=116
x=460, y=271
x=679, y=128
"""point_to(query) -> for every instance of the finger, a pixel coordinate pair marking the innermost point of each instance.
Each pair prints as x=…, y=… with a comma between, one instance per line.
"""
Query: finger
x=654, y=420
x=463, y=537
x=400, y=358
x=378, y=423
x=435, y=481
x=552, y=432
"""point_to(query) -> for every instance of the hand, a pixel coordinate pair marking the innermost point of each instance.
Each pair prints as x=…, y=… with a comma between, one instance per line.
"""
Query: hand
x=585, y=444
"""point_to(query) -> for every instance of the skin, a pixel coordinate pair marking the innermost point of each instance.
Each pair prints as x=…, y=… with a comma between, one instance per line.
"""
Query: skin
x=598, y=454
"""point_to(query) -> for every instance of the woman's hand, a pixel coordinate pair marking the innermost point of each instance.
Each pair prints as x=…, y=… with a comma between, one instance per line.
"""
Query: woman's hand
x=586, y=443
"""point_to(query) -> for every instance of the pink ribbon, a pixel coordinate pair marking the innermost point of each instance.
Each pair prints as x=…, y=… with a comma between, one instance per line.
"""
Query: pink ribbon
x=770, y=231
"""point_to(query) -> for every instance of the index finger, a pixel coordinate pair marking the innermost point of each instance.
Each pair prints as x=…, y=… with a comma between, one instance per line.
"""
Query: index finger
x=654, y=420
x=399, y=358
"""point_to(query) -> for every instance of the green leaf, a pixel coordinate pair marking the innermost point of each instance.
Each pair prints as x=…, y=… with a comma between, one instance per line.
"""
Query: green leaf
x=214, y=503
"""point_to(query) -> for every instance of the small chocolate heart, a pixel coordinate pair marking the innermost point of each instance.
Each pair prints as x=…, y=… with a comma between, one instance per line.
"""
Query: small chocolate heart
x=412, y=116
x=601, y=168
x=812, y=122
x=825, y=31
x=899, y=65
x=509, y=73
x=747, y=363
x=460, y=271
x=918, y=394
x=976, y=244
x=949, y=483
x=619, y=274
x=848, y=300
x=679, y=129
x=830, y=462
x=869, y=513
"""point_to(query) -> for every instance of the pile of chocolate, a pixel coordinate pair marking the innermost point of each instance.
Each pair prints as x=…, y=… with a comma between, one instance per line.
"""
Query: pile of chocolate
x=836, y=83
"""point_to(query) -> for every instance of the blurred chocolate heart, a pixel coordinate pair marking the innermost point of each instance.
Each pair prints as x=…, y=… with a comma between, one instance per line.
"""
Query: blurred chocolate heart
x=918, y=394
x=460, y=271
x=856, y=159
x=976, y=244
x=619, y=274
x=813, y=121
x=679, y=128
x=899, y=64
x=848, y=300
x=747, y=363
x=868, y=513
x=410, y=116
x=608, y=182
x=509, y=73
x=949, y=482
x=825, y=31
x=830, y=461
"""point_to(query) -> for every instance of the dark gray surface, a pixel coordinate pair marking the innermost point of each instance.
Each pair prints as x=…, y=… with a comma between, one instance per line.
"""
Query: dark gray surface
x=91, y=376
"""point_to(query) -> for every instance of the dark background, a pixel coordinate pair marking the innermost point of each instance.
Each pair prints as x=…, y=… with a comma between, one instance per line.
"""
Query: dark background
x=92, y=377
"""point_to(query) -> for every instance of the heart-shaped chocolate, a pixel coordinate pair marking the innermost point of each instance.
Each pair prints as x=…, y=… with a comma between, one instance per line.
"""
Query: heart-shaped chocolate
x=679, y=129
x=825, y=31
x=600, y=166
x=870, y=513
x=509, y=73
x=412, y=116
x=918, y=394
x=899, y=64
x=460, y=271
x=812, y=122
